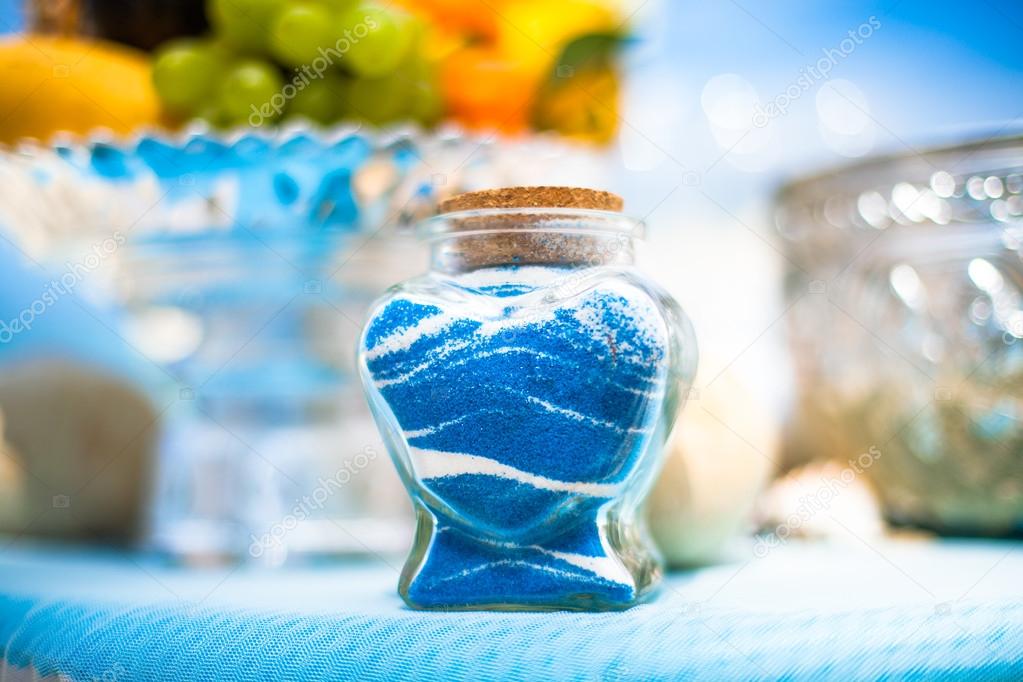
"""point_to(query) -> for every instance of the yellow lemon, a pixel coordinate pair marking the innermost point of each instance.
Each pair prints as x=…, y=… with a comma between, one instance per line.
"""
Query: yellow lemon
x=53, y=84
x=535, y=32
x=584, y=107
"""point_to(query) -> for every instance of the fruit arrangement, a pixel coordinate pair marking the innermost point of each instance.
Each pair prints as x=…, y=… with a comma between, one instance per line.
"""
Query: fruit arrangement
x=507, y=65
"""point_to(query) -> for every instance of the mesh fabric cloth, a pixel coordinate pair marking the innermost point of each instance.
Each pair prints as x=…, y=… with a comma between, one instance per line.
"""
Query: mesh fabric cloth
x=910, y=611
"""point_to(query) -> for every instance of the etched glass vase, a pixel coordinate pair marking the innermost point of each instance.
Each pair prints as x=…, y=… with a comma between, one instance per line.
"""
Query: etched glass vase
x=525, y=386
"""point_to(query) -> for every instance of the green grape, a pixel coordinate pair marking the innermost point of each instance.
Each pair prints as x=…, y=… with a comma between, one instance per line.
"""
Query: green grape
x=244, y=24
x=223, y=50
x=372, y=39
x=299, y=32
x=379, y=100
x=320, y=101
x=427, y=102
x=186, y=73
x=338, y=5
x=213, y=114
x=251, y=92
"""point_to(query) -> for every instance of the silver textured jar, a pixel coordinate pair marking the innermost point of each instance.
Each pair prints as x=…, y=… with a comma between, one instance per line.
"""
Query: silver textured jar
x=906, y=288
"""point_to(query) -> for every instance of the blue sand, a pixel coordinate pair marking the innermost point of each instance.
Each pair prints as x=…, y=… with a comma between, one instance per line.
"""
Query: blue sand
x=567, y=397
x=461, y=571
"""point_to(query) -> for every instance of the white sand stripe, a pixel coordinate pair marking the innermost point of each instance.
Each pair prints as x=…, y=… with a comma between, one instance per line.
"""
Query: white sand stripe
x=404, y=339
x=579, y=416
x=434, y=356
x=550, y=407
x=428, y=326
x=440, y=464
x=441, y=354
x=607, y=567
x=509, y=562
x=430, y=430
x=638, y=310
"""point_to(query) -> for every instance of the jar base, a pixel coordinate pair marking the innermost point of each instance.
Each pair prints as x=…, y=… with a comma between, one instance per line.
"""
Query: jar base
x=579, y=570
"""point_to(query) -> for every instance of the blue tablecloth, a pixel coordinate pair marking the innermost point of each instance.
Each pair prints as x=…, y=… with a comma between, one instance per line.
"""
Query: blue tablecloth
x=902, y=609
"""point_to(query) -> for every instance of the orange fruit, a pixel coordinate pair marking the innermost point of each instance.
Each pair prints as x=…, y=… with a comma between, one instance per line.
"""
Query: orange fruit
x=483, y=88
x=53, y=84
x=462, y=16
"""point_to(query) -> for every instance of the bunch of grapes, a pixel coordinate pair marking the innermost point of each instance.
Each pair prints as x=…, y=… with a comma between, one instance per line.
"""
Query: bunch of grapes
x=323, y=60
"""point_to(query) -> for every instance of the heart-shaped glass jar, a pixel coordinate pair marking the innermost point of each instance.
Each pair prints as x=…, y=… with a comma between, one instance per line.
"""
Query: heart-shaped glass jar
x=525, y=387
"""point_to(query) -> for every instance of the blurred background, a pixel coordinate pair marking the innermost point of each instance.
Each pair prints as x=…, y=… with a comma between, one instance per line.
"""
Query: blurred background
x=198, y=201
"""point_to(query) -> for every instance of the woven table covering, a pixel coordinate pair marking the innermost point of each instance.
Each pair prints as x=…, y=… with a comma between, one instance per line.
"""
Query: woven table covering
x=884, y=609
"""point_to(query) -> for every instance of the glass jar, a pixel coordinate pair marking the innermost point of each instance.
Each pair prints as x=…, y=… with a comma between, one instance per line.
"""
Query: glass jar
x=905, y=285
x=525, y=387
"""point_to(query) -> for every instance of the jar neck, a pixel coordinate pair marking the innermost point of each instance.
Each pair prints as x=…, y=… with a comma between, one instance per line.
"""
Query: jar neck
x=464, y=253
x=570, y=238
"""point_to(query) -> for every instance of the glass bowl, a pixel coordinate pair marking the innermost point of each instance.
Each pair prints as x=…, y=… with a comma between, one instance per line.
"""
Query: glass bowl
x=240, y=268
x=905, y=281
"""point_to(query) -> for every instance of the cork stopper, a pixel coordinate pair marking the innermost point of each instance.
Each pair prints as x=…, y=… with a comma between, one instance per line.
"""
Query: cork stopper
x=534, y=197
x=538, y=229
